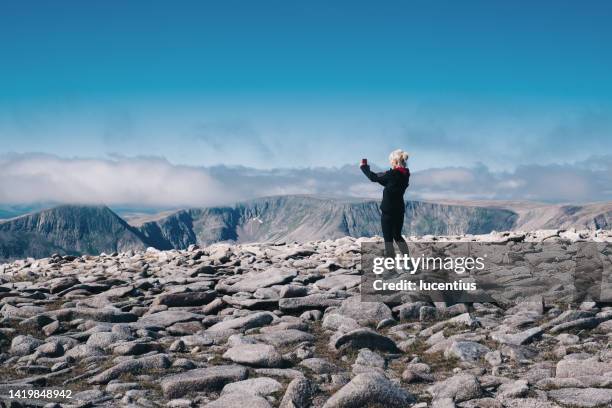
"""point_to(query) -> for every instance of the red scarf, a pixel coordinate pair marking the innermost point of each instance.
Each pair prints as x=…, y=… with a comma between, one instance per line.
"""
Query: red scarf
x=402, y=170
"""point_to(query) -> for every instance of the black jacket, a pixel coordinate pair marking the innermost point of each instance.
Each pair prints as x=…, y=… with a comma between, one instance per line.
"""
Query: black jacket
x=395, y=182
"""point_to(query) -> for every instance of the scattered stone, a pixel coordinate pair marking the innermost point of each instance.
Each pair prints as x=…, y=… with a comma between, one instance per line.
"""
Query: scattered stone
x=244, y=323
x=515, y=389
x=202, y=379
x=365, y=338
x=316, y=301
x=364, y=312
x=461, y=387
x=262, y=386
x=466, y=350
x=132, y=366
x=167, y=318
x=298, y=394
x=579, y=368
x=518, y=339
x=370, y=388
x=239, y=400
x=185, y=298
x=256, y=355
x=582, y=397
x=118, y=325
x=252, y=281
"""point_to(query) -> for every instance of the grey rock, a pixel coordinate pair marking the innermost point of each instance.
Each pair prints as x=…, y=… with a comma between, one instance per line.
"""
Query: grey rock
x=410, y=311
x=335, y=321
x=443, y=403
x=417, y=372
x=427, y=313
x=582, y=397
x=23, y=345
x=319, y=365
x=460, y=387
x=256, y=355
x=251, y=303
x=110, y=315
x=588, y=381
x=567, y=339
x=266, y=293
x=279, y=372
x=22, y=311
x=364, y=312
x=340, y=281
x=133, y=348
x=515, y=389
x=197, y=340
x=244, y=323
x=262, y=386
x=367, y=357
x=370, y=388
x=89, y=397
x=202, y=379
x=255, y=280
x=567, y=316
x=365, y=338
x=84, y=351
x=143, y=364
x=213, y=307
x=494, y=358
x=51, y=328
x=284, y=338
x=50, y=349
x=298, y=394
x=518, y=339
x=314, y=315
x=528, y=403
x=521, y=354
x=180, y=403
x=105, y=339
x=59, y=284
x=185, y=298
x=239, y=400
x=578, y=368
x=316, y=301
x=585, y=323
x=118, y=387
x=167, y=318
x=291, y=291
x=466, y=350
x=605, y=327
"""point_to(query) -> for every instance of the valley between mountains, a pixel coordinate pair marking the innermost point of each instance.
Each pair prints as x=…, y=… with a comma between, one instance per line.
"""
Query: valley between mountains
x=77, y=230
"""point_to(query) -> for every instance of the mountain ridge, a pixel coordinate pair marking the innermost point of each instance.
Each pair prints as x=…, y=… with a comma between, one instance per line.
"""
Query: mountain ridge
x=67, y=229
x=80, y=229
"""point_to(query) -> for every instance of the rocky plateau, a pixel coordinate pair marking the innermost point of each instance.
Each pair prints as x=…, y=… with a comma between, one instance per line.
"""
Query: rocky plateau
x=283, y=325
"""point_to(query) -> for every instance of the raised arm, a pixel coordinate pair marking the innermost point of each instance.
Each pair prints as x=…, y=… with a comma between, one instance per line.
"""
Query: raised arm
x=381, y=178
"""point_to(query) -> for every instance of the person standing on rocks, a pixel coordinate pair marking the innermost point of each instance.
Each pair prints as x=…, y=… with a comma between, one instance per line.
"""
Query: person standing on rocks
x=395, y=181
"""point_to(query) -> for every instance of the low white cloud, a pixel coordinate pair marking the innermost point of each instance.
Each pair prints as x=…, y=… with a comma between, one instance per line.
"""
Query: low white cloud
x=155, y=182
x=124, y=181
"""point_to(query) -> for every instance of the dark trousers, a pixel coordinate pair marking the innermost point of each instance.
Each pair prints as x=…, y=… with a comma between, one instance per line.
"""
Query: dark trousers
x=392, y=223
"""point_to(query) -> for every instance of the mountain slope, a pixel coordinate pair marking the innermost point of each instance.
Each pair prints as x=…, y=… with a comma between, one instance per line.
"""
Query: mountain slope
x=67, y=229
x=304, y=218
x=534, y=215
x=72, y=229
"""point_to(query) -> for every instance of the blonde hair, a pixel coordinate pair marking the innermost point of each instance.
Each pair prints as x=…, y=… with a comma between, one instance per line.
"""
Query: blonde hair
x=398, y=158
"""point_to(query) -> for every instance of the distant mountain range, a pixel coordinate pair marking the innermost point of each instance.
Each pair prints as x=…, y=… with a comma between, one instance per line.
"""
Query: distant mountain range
x=67, y=229
x=74, y=229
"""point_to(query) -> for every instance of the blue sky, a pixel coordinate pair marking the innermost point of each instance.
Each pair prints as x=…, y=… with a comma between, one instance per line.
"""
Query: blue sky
x=272, y=84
